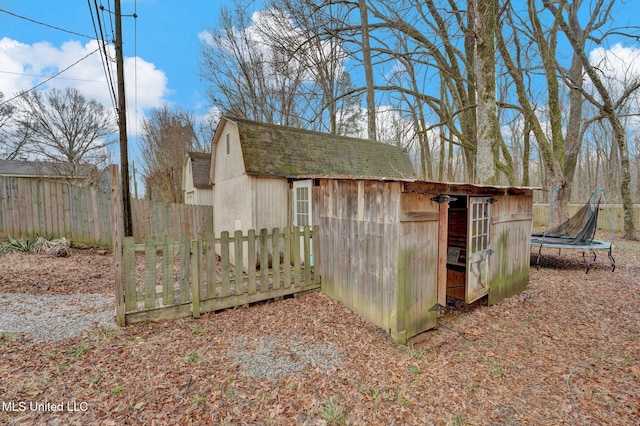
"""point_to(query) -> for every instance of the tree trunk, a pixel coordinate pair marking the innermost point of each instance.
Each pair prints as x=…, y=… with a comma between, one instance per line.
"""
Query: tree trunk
x=487, y=149
x=368, y=71
x=526, y=152
x=620, y=137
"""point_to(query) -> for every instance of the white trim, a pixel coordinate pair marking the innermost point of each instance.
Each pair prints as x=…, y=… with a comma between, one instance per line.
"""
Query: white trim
x=302, y=185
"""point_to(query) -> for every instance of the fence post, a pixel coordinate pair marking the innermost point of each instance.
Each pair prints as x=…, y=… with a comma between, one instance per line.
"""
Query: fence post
x=239, y=256
x=307, y=255
x=287, y=256
x=196, y=266
x=264, y=259
x=317, y=257
x=117, y=229
x=296, y=256
x=225, y=264
x=150, y=272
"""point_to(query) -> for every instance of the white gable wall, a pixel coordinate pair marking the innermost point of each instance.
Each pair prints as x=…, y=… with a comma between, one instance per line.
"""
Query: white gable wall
x=232, y=195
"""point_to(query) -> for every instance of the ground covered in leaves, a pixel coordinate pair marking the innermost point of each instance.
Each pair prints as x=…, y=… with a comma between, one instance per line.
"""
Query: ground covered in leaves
x=565, y=351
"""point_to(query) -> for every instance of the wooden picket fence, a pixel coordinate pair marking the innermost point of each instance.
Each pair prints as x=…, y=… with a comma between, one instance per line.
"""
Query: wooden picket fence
x=172, y=279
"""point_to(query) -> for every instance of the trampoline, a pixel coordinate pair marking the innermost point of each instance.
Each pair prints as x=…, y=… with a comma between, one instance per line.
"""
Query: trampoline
x=577, y=233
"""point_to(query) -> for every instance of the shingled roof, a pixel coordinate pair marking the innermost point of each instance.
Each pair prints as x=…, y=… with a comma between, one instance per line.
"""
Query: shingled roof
x=272, y=150
x=200, y=164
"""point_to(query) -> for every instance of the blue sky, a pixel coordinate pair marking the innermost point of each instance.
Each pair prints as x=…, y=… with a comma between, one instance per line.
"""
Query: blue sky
x=164, y=41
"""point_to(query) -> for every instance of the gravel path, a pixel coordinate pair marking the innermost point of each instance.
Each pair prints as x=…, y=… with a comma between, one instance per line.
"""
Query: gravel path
x=54, y=317
x=264, y=358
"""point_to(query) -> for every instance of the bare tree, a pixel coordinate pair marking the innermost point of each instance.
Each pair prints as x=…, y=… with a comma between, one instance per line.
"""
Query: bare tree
x=333, y=104
x=567, y=16
x=66, y=129
x=249, y=76
x=11, y=145
x=167, y=134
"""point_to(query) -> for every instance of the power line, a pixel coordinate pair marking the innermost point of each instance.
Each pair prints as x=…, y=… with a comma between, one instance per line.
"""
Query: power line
x=103, y=50
x=44, y=24
x=50, y=78
x=47, y=76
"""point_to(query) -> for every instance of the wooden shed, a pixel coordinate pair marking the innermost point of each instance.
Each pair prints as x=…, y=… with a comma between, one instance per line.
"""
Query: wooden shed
x=391, y=247
x=393, y=251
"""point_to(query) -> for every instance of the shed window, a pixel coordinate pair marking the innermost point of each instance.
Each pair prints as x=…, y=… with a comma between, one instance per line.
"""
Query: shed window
x=302, y=203
x=479, y=225
x=228, y=141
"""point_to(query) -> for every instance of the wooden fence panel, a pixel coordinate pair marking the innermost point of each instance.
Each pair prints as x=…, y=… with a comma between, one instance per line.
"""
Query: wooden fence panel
x=226, y=284
x=36, y=207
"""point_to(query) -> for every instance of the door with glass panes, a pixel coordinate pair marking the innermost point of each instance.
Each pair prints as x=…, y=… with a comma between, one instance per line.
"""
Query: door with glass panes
x=478, y=247
x=302, y=208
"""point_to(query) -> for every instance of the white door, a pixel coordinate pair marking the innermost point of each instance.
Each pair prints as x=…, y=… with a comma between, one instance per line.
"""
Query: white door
x=302, y=203
x=478, y=248
x=302, y=209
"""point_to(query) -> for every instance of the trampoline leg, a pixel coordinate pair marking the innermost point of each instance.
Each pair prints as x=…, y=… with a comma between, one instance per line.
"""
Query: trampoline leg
x=538, y=258
x=585, y=261
x=612, y=260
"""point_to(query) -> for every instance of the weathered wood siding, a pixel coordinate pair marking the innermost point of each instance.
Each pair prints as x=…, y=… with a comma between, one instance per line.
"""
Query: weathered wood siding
x=384, y=247
x=360, y=238
x=510, y=238
x=418, y=265
x=32, y=207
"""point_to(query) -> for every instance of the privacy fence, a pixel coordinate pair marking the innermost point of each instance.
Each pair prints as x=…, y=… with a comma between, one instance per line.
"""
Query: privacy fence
x=31, y=207
x=175, y=278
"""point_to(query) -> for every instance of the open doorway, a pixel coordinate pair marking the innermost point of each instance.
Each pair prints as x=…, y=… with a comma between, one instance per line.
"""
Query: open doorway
x=468, y=247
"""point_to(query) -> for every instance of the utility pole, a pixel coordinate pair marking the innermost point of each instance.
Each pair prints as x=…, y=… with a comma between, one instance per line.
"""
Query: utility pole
x=122, y=125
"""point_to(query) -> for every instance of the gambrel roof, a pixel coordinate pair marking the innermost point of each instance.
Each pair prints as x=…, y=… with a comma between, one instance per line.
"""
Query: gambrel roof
x=279, y=151
x=200, y=165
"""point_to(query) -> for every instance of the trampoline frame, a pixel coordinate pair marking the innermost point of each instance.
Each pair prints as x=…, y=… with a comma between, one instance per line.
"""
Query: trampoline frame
x=565, y=242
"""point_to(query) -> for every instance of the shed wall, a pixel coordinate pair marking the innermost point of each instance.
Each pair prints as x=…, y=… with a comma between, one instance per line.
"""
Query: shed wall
x=232, y=190
x=360, y=237
x=270, y=200
x=233, y=202
x=418, y=265
x=511, y=221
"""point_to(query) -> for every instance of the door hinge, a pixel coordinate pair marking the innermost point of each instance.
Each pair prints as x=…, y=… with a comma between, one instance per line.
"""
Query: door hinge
x=442, y=198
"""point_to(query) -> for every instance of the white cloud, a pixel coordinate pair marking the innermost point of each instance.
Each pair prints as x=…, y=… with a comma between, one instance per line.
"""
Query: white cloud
x=619, y=62
x=25, y=66
x=619, y=66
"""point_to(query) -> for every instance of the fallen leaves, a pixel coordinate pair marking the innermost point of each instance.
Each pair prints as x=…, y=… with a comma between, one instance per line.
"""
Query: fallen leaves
x=570, y=354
